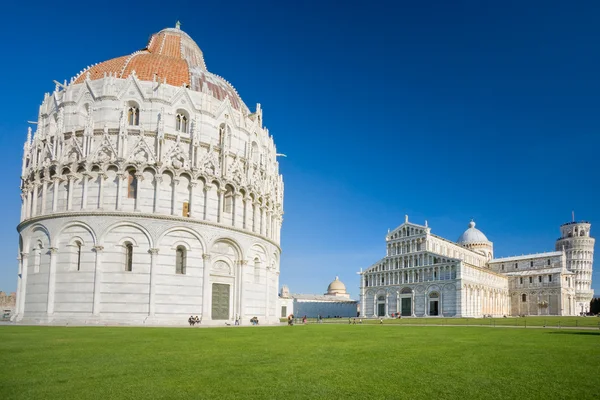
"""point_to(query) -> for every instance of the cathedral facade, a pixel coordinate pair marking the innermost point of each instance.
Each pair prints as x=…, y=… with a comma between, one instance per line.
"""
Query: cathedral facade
x=426, y=275
x=150, y=192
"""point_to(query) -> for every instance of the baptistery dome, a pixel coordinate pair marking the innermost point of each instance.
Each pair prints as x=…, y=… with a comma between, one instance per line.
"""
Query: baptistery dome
x=150, y=192
x=172, y=57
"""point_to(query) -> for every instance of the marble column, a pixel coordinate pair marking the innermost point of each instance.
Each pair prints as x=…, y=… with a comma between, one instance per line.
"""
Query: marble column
x=174, y=195
x=220, y=194
x=152, y=297
x=102, y=177
x=55, y=189
x=84, y=194
x=97, y=280
x=242, y=304
x=139, y=177
x=19, y=277
x=23, y=206
x=34, y=201
x=246, y=212
x=191, y=202
x=51, y=280
x=70, y=190
x=205, y=190
x=206, y=293
x=28, y=201
x=120, y=179
x=157, y=182
x=387, y=313
x=23, y=291
x=267, y=269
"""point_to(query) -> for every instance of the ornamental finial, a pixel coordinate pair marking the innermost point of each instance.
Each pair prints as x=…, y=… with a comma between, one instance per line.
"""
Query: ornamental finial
x=177, y=25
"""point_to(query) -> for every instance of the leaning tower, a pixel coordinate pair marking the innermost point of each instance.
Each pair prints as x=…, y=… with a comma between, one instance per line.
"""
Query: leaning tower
x=579, y=248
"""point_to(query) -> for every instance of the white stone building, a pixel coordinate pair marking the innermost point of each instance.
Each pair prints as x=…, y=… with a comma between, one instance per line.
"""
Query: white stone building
x=427, y=275
x=150, y=192
x=335, y=302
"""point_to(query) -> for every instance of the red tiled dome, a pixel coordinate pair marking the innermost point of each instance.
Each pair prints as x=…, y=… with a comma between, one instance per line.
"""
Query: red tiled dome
x=170, y=55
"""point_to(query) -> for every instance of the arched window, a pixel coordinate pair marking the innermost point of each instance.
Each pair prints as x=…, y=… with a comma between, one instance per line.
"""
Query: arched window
x=78, y=254
x=582, y=233
x=180, y=260
x=131, y=185
x=128, y=257
x=523, y=297
x=133, y=116
x=256, y=270
x=181, y=123
x=228, y=200
x=548, y=262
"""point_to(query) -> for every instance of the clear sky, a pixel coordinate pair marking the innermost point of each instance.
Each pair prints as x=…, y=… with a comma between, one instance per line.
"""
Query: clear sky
x=444, y=111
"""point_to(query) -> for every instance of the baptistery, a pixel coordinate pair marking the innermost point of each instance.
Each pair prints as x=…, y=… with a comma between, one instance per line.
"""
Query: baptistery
x=150, y=192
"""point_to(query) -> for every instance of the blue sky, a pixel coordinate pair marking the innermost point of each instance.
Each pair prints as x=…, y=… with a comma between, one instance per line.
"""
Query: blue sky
x=444, y=111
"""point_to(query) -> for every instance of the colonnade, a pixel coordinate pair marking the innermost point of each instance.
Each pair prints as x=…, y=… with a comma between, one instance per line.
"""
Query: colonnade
x=385, y=278
x=205, y=201
x=478, y=301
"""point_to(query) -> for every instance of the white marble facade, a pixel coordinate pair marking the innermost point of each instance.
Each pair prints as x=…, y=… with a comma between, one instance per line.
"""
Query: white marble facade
x=145, y=202
x=426, y=275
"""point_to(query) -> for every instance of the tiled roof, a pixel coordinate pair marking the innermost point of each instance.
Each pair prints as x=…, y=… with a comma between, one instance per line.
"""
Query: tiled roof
x=526, y=257
x=542, y=271
x=173, y=56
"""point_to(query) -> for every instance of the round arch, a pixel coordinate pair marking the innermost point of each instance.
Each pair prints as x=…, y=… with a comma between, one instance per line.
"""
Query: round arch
x=183, y=229
x=72, y=224
x=126, y=223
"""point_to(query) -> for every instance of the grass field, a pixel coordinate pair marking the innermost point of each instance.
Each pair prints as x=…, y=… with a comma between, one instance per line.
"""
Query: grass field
x=552, y=321
x=325, y=361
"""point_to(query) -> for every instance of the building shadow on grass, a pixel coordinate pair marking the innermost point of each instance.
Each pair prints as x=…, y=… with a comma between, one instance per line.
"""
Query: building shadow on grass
x=574, y=333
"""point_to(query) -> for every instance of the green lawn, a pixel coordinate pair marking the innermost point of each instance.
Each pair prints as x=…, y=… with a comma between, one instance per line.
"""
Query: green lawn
x=552, y=321
x=327, y=361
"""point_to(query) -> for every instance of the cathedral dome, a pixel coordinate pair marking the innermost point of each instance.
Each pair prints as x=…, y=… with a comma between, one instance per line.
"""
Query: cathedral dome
x=173, y=57
x=336, y=287
x=472, y=235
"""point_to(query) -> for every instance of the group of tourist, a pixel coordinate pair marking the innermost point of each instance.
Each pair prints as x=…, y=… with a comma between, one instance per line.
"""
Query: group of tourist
x=194, y=320
x=353, y=321
x=254, y=321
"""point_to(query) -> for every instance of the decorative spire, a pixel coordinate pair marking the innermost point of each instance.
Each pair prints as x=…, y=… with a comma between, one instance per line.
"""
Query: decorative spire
x=177, y=25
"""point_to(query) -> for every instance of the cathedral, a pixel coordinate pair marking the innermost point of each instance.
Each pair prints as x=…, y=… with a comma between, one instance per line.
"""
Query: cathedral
x=150, y=192
x=426, y=275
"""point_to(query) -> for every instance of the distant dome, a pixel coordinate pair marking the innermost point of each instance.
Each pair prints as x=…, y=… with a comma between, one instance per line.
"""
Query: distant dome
x=472, y=235
x=336, y=287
